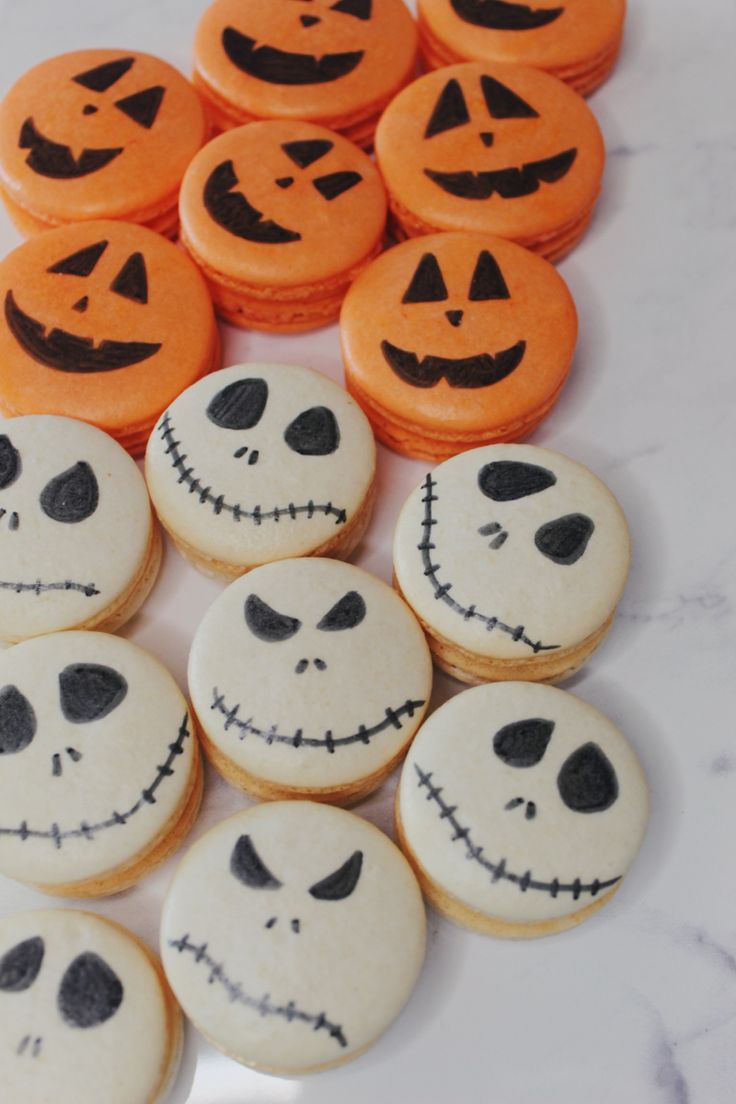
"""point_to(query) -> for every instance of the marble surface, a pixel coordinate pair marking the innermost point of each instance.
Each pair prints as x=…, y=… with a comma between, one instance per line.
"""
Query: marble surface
x=640, y=1003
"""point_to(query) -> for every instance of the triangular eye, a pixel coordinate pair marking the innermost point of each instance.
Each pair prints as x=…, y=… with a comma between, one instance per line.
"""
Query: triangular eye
x=507, y=480
x=248, y=867
x=587, y=781
x=142, y=107
x=488, y=281
x=81, y=263
x=334, y=184
x=104, y=76
x=10, y=465
x=449, y=111
x=268, y=624
x=314, y=432
x=20, y=966
x=90, y=992
x=308, y=151
x=72, y=496
x=361, y=9
x=89, y=692
x=345, y=614
x=340, y=884
x=523, y=743
x=240, y=405
x=17, y=721
x=565, y=539
x=132, y=280
x=502, y=103
x=427, y=284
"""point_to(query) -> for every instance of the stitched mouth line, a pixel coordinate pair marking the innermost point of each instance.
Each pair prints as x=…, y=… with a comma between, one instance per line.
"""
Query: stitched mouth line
x=498, y=870
x=263, y=1005
x=441, y=590
x=298, y=739
x=204, y=494
x=89, y=590
x=89, y=831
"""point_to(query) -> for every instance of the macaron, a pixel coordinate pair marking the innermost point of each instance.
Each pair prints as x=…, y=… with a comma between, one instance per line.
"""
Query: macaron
x=98, y=134
x=100, y=778
x=452, y=341
x=514, y=559
x=281, y=216
x=315, y=943
x=262, y=462
x=501, y=149
x=85, y=1012
x=103, y=321
x=335, y=62
x=577, y=41
x=520, y=808
x=309, y=678
x=81, y=547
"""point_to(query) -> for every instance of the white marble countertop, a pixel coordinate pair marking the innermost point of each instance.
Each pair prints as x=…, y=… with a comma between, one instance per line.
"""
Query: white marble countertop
x=639, y=1004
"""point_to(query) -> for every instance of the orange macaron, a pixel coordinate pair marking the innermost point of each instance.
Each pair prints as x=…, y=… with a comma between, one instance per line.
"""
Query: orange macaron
x=575, y=40
x=333, y=62
x=98, y=134
x=281, y=216
x=501, y=149
x=102, y=321
x=453, y=341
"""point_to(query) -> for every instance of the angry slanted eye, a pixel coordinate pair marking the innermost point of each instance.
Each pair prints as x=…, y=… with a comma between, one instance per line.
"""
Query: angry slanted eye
x=20, y=966
x=132, y=280
x=427, y=284
x=306, y=151
x=240, y=405
x=17, y=721
x=90, y=992
x=361, y=9
x=488, y=281
x=334, y=184
x=81, y=263
x=104, y=76
x=247, y=866
x=565, y=539
x=502, y=103
x=345, y=614
x=587, y=781
x=523, y=743
x=314, y=432
x=142, y=107
x=507, y=480
x=10, y=465
x=89, y=692
x=340, y=884
x=72, y=496
x=266, y=623
x=450, y=110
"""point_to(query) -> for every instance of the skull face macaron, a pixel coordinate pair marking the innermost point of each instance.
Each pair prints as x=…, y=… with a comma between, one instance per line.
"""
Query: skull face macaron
x=262, y=462
x=315, y=944
x=514, y=559
x=85, y=1013
x=521, y=808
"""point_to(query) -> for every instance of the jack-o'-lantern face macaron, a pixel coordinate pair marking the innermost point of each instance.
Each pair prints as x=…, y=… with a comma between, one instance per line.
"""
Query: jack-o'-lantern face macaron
x=98, y=134
x=451, y=341
x=281, y=216
x=496, y=148
x=102, y=321
x=335, y=62
x=575, y=40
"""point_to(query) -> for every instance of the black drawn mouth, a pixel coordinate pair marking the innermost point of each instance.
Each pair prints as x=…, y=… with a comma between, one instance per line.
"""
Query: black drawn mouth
x=54, y=160
x=499, y=15
x=87, y=589
x=232, y=211
x=274, y=66
x=510, y=183
x=481, y=370
x=66, y=352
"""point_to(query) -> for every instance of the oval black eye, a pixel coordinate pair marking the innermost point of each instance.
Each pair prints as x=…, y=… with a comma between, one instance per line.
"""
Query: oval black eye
x=90, y=992
x=450, y=110
x=17, y=721
x=565, y=539
x=523, y=743
x=502, y=103
x=345, y=614
x=427, y=284
x=506, y=480
x=248, y=867
x=20, y=965
x=341, y=883
x=268, y=624
x=240, y=405
x=132, y=280
x=361, y=9
x=587, y=781
x=89, y=691
x=10, y=465
x=314, y=432
x=72, y=496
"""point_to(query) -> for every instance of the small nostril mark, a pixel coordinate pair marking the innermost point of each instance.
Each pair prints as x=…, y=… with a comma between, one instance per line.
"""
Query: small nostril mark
x=253, y=458
x=89, y=109
x=270, y=923
x=531, y=810
x=73, y=754
x=240, y=452
x=301, y=666
x=14, y=521
x=295, y=926
x=514, y=803
x=285, y=181
x=454, y=317
x=486, y=138
x=498, y=541
x=309, y=20
x=23, y=1044
x=320, y=665
x=36, y=1047
x=56, y=765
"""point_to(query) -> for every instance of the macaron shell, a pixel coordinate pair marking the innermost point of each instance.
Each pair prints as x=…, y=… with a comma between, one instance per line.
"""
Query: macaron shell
x=153, y=158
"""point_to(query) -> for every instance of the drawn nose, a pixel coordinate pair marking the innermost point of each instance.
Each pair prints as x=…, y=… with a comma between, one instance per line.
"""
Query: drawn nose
x=530, y=811
x=30, y=1046
x=486, y=137
x=81, y=304
x=309, y=20
x=454, y=317
x=304, y=663
x=241, y=452
x=285, y=181
x=90, y=109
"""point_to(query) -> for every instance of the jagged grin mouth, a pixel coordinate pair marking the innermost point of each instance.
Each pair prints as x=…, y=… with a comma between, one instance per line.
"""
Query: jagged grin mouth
x=508, y=183
x=275, y=66
x=481, y=370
